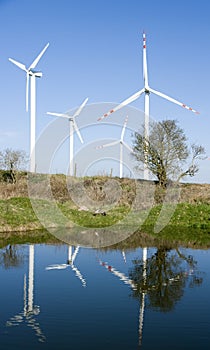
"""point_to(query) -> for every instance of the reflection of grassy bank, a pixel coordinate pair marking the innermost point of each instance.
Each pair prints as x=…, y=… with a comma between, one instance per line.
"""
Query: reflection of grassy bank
x=37, y=236
x=171, y=238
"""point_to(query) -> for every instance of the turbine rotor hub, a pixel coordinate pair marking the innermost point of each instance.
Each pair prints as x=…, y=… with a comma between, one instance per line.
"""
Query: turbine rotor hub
x=36, y=73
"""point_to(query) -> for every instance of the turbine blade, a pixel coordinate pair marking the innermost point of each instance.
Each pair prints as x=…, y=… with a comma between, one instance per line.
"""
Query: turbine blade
x=78, y=111
x=57, y=267
x=79, y=275
x=145, y=73
x=58, y=114
x=118, y=274
x=20, y=65
x=108, y=144
x=127, y=146
x=122, y=104
x=124, y=127
x=173, y=100
x=34, y=63
x=77, y=130
x=27, y=90
x=75, y=254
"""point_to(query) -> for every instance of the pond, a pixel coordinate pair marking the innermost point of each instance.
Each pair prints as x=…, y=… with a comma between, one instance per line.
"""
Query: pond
x=57, y=296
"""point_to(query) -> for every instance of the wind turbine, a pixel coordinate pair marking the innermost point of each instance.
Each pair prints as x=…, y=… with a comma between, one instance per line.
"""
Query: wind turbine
x=70, y=263
x=73, y=127
x=146, y=91
x=29, y=309
x=122, y=143
x=32, y=74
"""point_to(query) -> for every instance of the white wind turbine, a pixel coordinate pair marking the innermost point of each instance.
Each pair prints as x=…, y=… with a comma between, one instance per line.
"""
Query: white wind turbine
x=122, y=143
x=32, y=74
x=73, y=127
x=70, y=263
x=146, y=90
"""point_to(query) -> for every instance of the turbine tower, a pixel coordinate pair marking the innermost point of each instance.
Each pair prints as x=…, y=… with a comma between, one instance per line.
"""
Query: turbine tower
x=32, y=75
x=70, y=263
x=146, y=90
x=73, y=127
x=122, y=143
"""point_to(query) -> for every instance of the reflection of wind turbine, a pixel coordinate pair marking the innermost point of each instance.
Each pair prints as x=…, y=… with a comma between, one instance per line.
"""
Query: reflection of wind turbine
x=70, y=263
x=73, y=127
x=124, y=256
x=122, y=143
x=30, y=72
x=146, y=90
x=130, y=282
x=141, y=314
x=118, y=274
x=29, y=310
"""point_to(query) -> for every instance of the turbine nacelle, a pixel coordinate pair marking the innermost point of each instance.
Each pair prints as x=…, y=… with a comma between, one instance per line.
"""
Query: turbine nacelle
x=37, y=74
x=121, y=143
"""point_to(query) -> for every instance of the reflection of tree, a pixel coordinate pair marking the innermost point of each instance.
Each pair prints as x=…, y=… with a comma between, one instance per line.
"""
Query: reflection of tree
x=11, y=256
x=166, y=278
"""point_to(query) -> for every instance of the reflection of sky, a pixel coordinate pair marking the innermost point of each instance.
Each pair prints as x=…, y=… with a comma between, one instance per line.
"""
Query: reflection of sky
x=103, y=314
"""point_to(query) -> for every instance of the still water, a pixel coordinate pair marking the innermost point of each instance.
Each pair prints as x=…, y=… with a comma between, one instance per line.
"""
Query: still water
x=65, y=297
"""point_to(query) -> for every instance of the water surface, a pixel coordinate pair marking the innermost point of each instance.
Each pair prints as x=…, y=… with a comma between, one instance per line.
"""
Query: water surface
x=65, y=297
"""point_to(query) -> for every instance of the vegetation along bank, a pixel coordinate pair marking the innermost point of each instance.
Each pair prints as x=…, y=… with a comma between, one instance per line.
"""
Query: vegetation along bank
x=190, y=221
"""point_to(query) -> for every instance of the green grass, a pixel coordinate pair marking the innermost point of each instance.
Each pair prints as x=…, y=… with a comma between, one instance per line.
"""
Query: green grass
x=190, y=223
x=87, y=219
x=16, y=212
x=187, y=215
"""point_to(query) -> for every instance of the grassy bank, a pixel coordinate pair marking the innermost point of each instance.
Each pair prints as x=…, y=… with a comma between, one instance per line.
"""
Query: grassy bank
x=190, y=223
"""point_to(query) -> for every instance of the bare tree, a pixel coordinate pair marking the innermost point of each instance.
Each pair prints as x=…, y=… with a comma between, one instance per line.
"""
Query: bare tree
x=166, y=153
x=12, y=161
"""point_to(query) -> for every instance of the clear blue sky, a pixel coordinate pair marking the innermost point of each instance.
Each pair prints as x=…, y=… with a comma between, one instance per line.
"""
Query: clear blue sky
x=96, y=51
